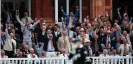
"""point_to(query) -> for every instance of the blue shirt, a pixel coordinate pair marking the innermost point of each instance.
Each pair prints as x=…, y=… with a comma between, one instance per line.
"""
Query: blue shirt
x=49, y=47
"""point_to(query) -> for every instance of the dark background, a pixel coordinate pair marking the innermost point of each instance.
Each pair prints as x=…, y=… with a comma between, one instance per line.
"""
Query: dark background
x=125, y=5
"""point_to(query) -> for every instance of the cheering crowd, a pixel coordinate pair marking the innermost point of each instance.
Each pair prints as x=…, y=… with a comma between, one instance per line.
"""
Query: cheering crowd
x=23, y=37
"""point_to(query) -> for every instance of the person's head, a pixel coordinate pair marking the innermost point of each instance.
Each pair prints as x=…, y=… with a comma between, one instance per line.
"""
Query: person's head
x=77, y=28
x=87, y=42
x=43, y=28
x=71, y=13
x=49, y=27
x=20, y=54
x=114, y=51
x=49, y=31
x=56, y=27
x=31, y=51
x=102, y=29
x=25, y=46
x=75, y=34
x=108, y=32
x=50, y=36
x=95, y=36
x=25, y=13
x=17, y=6
x=82, y=30
x=27, y=24
x=11, y=35
x=105, y=51
x=89, y=25
x=64, y=33
x=125, y=23
x=125, y=33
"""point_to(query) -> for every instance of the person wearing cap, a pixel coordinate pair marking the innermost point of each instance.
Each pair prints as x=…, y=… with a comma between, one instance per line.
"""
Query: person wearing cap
x=83, y=35
x=87, y=46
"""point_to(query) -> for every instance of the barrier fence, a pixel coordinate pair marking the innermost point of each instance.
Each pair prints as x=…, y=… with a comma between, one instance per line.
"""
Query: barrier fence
x=57, y=60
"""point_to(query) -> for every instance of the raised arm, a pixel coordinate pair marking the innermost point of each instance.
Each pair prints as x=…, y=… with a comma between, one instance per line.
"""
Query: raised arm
x=64, y=13
x=6, y=31
x=77, y=12
x=19, y=21
x=119, y=15
x=34, y=25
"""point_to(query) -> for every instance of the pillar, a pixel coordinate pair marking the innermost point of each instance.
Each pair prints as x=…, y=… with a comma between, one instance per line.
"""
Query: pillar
x=29, y=7
x=67, y=7
x=56, y=11
x=80, y=9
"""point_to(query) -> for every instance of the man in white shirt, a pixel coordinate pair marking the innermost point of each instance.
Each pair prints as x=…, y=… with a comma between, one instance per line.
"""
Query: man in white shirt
x=32, y=55
x=82, y=33
x=10, y=44
x=105, y=54
x=27, y=28
x=126, y=35
x=114, y=55
x=125, y=48
x=3, y=54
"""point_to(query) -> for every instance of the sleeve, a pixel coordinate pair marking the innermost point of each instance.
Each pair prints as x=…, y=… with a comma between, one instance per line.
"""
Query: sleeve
x=76, y=14
x=64, y=13
x=119, y=16
x=119, y=49
x=35, y=24
x=58, y=44
x=7, y=34
x=22, y=24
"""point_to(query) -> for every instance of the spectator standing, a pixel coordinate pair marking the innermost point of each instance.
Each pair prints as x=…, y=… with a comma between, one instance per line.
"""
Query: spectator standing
x=51, y=47
x=10, y=44
x=27, y=28
x=63, y=42
x=70, y=19
x=125, y=48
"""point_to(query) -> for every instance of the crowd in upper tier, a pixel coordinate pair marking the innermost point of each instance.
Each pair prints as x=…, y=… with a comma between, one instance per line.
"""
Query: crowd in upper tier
x=23, y=37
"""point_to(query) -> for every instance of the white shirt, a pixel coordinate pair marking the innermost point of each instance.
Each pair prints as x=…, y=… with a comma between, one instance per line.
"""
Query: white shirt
x=4, y=56
x=30, y=56
x=65, y=55
x=70, y=23
x=8, y=43
x=121, y=49
x=26, y=30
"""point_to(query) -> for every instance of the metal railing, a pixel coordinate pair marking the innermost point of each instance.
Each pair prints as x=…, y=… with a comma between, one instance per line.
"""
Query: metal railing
x=52, y=60
x=111, y=60
x=57, y=60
